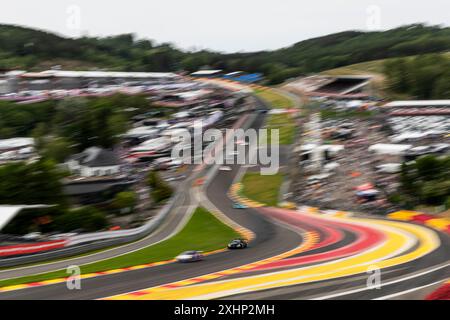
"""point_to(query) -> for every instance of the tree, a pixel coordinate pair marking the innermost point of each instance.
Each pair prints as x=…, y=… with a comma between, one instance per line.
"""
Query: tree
x=447, y=203
x=424, y=77
x=442, y=87
x=87, y=218
x=34, y=183
x=152, y=179
x=125, y=200
x=427, y=180
x=57, y=149
x=160, y=190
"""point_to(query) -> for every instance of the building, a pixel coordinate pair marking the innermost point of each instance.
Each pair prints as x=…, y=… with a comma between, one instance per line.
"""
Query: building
x=18, y=80
x=96, y=191
x=4, y=87
x=16, y=149
x=335, y=87
x=418, y=108
x=9, y=81
x=207, y=74
x=241, y=76
x=97, y=175
x=94, y=162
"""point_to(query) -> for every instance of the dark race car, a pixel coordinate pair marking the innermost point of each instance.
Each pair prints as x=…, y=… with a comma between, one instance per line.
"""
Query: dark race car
x=237, y=244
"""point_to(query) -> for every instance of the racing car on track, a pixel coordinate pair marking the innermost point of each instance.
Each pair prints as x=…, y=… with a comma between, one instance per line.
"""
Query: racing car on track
x=237, y=244
x=189, y=256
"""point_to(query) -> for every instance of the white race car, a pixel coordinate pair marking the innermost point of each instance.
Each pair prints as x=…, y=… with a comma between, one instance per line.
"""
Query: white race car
x=189, y=256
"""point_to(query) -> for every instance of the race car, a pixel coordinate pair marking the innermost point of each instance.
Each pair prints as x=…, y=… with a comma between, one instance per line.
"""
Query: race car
x=237, y=244
x=239, y=206
x=189, y=256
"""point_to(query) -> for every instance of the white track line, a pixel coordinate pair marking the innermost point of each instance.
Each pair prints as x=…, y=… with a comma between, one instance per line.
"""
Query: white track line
x=345, y=293
x=407, y=291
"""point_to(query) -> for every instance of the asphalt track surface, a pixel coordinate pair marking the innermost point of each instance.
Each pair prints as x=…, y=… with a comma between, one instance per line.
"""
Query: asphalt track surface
x=335, y=239
x=429, y=269
x=173, y=219
x=427, y=263
x=271, y=239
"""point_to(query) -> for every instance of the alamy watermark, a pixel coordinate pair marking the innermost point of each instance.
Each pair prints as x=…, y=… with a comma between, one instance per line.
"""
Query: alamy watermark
x=73, y=20
x=374, y=278
x=373, y=21
x=73, y=281
x=232, y=146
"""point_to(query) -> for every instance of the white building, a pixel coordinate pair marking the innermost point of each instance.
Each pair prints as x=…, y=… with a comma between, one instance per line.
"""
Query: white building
x=16, y=149
x=94, y=162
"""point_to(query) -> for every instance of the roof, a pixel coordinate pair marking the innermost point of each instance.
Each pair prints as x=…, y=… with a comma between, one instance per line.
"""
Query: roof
x=323, y=147
x=12, y=143
x=107, y=74
x=97, y=157
x=418, y=103
x=234, y=73
x=385, y=148
x=76, y=189
x=205, y=72
x=141, y=131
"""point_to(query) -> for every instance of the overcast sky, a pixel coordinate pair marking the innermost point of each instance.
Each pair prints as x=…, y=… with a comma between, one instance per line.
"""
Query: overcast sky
x=225, y=25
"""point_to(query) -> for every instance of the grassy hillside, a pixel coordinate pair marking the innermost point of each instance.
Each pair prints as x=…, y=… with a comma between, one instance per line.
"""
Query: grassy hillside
x=375, y=67
x=411, y=75
x=34, y=49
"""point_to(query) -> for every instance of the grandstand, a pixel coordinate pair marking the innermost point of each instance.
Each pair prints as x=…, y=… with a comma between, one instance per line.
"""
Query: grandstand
x=419, y=108
x=339, y=87
x=239, y=76
x=344, y=85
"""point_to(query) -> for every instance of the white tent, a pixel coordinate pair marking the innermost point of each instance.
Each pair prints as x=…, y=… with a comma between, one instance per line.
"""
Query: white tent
x=144, y=131
x=312, y=146
x=390, y=167
x=8, y=212
x=410, y=135
x=392, y=149
x=331, y=166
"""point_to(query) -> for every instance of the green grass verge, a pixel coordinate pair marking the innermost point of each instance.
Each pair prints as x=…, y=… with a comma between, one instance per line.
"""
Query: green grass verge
x=285, y=124
x=334, y=114
x=264, y=189
x=276, y=100
x=203, y=232
x=369, y=67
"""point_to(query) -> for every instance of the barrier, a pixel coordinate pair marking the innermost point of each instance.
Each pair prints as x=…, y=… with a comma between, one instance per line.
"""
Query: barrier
x=92, y=241
x=97, y=240
x=15, y=250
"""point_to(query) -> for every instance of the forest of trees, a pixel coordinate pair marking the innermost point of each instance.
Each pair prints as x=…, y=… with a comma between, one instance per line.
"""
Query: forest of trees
x=425, y=181
x=420, y=77
x=71, y=125
x=30, y=49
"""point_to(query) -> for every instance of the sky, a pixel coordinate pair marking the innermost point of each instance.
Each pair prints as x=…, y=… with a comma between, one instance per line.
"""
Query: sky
x=226, y=25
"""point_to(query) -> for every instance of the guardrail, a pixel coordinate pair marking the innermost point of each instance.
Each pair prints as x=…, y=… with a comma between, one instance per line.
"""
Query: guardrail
x=94, y=241
x=98, y=240
x=142, y=230
x=31, y=248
